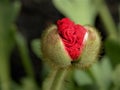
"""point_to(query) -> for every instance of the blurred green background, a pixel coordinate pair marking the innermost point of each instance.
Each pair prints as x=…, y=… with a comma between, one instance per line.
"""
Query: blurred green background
x=21, y=25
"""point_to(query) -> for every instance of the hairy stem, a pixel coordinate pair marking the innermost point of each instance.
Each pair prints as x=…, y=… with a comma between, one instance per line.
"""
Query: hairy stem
x=47, y=84
x=55, y=79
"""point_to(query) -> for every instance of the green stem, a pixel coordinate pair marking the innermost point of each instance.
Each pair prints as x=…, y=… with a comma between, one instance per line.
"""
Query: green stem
x=4, y=73
x=47, y=84
x=59, y=79
x=55, y=79
x=4, y=59
x=108, y=21
x=5, y=47
x=22, y=46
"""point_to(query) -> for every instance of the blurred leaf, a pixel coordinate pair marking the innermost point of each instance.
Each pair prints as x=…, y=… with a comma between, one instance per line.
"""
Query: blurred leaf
x=24, y=53
x=7, y=15
x=36, y=47
x=16, y=86
x=82, y=78
x=16, y=8
x=116, y=77
x=112, y=48
x=107, y=20
x=4, y=1
x=98, y=75
x=106, y=70
x=28, y=84
x=102, y=72
x=80, y=11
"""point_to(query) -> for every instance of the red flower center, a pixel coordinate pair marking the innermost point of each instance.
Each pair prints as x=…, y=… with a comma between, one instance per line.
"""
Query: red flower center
x=73, y=37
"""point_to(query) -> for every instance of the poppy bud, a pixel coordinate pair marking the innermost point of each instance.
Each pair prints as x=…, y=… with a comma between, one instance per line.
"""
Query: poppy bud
x=63, y=43
x=69, y=42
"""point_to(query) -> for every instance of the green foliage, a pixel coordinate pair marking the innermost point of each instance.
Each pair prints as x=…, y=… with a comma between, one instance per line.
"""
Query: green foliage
x=28, y=84
x=24, y=53
x=82, y=78
x=80, y=11
x=115, y=78
x=103, y=75
x=113, y=50
x=8, y=38
x=8, y=12
x=36, y=47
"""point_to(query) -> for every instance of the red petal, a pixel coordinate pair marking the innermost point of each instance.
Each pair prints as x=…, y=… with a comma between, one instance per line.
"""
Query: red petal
x=73, y=36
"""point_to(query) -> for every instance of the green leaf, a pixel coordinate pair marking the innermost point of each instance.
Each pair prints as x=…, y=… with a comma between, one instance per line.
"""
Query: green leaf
x=102, y=72
x=16, y=86
x=82, y=78
x=98, y=75
x=36, y=47
x=112, y=48
x=80, y=11
x=116, y=76
x=8, y=14
x=106, y=71
x=24, y=53
x=29, y=84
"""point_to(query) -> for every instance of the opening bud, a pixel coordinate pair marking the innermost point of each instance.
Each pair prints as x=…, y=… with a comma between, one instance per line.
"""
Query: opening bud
x=68, y=43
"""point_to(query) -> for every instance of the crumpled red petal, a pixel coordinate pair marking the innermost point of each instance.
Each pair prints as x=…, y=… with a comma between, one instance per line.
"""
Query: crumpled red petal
x=72, y=36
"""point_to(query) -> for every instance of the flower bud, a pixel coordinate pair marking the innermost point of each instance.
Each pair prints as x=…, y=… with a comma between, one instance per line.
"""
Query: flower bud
x=64, y=43
x=70, y=44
